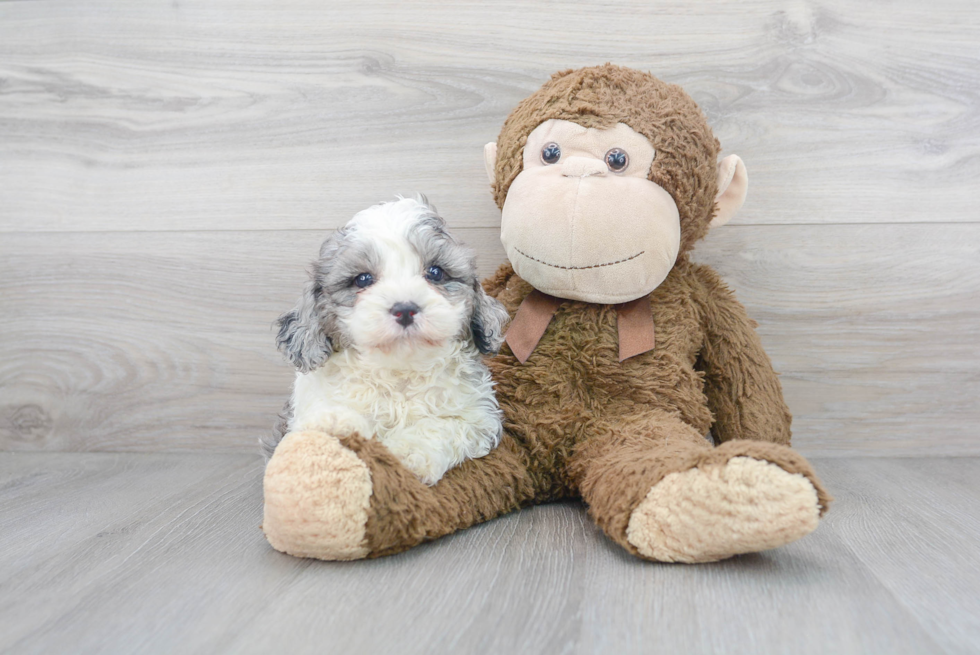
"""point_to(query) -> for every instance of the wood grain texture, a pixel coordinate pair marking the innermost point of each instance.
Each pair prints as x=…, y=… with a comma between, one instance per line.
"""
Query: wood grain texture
x=164, y=341
x=165, y=166
x=161, y=553
x=247, y=115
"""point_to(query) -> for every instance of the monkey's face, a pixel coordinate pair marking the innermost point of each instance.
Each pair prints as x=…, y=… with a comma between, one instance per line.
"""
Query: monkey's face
x=582, y=220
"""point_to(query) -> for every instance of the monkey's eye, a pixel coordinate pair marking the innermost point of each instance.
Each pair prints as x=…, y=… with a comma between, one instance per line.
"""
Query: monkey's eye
x=363, y=280
x=551, y=153
x=434, y=274
x=617, y=160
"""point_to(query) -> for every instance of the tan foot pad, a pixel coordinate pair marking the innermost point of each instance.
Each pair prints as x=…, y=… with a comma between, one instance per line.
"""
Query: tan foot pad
x=704, y=515
x=317, y=495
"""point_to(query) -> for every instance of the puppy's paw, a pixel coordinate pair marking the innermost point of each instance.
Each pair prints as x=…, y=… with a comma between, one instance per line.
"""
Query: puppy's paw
x=427, y=467
x=336, y=421
x=426, y=471
x=704, y=515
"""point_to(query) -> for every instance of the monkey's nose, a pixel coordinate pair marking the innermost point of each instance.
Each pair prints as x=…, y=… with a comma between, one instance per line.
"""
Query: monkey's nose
x=404, y=313
x=582, y=167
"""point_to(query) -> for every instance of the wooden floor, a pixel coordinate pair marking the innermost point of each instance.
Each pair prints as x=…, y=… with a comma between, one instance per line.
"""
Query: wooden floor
x=162, y=553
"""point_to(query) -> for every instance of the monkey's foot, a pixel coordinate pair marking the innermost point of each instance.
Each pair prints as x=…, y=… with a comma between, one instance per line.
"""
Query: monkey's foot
x=317, y=496
x=707, y=514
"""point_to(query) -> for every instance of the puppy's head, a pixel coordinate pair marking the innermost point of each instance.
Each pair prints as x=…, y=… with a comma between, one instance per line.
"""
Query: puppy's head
x=391, y=280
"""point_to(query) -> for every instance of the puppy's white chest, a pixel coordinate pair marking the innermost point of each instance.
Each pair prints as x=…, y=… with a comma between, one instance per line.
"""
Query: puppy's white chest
x=386, y=400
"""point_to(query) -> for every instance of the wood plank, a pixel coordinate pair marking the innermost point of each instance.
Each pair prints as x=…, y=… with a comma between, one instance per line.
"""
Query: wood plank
x=164, y=341
x=67, y=525
x=242, y=115
x=146, y=536
x=908, y=413
x=898, y=514
x=160, y=553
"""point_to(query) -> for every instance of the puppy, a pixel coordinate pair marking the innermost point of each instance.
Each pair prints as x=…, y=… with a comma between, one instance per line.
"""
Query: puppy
x=387, y=341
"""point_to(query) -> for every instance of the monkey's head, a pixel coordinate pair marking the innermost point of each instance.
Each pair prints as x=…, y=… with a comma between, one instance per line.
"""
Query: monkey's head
x=605, y=176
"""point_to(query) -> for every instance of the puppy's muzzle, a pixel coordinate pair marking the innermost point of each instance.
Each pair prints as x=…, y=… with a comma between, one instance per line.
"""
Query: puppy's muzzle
x=404, y=313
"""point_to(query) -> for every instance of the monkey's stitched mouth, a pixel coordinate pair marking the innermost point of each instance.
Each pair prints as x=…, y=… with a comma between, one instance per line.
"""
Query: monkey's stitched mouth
x=579, y=268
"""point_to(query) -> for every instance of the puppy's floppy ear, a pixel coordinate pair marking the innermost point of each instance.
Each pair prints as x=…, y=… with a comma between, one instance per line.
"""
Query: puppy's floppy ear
x=301, y=337
x=488, y=321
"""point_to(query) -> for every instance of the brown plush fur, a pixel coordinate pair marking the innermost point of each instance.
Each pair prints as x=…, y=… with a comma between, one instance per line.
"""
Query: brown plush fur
x=578, y=422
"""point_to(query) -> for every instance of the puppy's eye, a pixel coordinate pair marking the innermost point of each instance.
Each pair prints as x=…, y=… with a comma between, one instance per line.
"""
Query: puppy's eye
x=551, y=153
x=434, y=274
x=617, y=160
x=363, y=280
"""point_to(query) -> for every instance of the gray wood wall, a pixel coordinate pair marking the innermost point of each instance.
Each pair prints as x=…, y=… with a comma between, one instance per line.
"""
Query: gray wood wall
x=167, y=169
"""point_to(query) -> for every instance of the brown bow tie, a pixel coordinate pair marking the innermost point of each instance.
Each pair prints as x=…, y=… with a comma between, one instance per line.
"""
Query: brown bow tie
x=634, y=319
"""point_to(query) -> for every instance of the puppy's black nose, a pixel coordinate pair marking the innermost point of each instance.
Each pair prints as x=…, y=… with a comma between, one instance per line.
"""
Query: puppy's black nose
x=404, y=313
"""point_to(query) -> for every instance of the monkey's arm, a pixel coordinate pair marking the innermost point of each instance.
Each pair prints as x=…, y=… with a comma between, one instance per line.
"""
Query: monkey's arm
x=743, y=390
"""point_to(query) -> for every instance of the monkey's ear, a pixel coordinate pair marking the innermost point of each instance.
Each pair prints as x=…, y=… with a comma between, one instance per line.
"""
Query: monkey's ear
x=490, y=160
x=733, y=183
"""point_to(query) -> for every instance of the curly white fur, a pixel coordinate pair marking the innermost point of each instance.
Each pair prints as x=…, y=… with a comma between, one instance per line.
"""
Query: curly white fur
x=432, y=415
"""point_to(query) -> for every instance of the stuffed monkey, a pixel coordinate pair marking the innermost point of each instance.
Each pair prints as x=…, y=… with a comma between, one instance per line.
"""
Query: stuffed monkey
x=621, y=356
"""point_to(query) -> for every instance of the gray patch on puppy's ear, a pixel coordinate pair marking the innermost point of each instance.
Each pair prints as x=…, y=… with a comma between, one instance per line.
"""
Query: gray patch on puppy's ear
x=487, y=324
x=301, y=337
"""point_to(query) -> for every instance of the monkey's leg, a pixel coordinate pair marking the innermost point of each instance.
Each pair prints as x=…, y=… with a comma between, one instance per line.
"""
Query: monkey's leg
x=346, y=497
x=660, y=490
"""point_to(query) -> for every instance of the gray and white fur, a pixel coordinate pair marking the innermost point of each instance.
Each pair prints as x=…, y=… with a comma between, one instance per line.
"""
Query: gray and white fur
x=388, y=338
